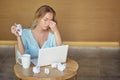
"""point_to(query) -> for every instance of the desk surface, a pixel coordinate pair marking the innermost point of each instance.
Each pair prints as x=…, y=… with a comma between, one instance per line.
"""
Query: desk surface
x=27, y=74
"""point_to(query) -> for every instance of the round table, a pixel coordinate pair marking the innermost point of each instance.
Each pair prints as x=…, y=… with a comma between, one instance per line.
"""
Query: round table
x=28, y=74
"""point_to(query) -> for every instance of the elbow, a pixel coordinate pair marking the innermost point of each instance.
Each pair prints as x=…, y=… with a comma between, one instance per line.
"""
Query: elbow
x=59, y=44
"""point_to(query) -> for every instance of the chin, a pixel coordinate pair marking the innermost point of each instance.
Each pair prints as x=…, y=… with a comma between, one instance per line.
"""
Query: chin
x=45, y=29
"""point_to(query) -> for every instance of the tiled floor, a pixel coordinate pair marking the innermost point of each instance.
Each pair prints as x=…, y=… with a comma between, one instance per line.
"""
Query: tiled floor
x=95, y=63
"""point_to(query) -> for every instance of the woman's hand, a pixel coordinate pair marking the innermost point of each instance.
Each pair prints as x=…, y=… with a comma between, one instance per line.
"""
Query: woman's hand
x=14, y=30
x=20, y=43
x=53, y=26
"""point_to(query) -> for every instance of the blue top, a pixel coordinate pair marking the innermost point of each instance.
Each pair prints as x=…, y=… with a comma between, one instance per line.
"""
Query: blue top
x=30, y=44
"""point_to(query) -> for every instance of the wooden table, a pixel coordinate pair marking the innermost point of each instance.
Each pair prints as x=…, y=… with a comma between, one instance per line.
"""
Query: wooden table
x=27, y=74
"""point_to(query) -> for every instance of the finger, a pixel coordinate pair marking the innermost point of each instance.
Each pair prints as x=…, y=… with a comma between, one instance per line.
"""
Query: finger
x=13, y=31
x=13, y=28
x=52, y=23
x=15, y=24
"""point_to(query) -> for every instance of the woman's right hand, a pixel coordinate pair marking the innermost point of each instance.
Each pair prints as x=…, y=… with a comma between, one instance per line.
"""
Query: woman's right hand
x=14, y=30
x=19, y=40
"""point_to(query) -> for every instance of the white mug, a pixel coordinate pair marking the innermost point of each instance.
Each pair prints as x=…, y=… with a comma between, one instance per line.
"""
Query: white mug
x=25, y=60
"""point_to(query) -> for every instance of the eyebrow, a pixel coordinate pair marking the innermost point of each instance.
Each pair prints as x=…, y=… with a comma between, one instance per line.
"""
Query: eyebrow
x=48, y=18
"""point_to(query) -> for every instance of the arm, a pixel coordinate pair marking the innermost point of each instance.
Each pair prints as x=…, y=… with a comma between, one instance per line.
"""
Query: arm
x=54, y=28
x=58, y=38
x=20, y=43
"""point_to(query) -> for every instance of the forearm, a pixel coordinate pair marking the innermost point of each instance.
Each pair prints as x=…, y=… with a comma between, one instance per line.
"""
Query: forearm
x=54, y=28
x=58, y=38
x=20, y=45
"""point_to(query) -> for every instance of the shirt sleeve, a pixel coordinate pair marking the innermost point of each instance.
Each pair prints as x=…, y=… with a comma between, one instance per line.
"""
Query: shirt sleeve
x=24, y=40
x=52, y=40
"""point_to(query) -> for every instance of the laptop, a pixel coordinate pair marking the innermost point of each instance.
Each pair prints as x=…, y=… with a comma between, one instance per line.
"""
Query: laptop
x=51, y=55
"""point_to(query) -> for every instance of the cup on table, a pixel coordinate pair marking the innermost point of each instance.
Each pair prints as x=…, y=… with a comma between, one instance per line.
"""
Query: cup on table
x=25, y=61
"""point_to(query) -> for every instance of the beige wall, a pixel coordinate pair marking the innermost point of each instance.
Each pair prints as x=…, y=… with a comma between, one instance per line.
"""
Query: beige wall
x=79, y=20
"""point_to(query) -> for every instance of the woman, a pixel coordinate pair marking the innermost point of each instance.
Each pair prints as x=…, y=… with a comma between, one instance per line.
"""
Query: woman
x=43, y=32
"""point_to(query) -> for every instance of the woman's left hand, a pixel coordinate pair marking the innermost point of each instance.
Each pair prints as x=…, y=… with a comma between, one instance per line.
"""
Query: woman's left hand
x=53, y=26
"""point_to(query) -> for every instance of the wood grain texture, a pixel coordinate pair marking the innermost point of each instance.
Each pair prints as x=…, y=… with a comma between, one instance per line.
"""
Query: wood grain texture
x=78, y=20
x=27, y=74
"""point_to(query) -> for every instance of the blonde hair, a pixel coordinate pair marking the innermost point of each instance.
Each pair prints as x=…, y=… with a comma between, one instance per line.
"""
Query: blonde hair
x=41, y=13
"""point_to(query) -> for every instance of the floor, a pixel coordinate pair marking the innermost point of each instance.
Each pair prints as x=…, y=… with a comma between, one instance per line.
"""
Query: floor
x=7, y=61
x=95, y=63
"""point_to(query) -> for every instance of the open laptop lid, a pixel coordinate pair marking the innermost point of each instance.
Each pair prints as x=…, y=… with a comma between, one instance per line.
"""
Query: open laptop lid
x=48, y=56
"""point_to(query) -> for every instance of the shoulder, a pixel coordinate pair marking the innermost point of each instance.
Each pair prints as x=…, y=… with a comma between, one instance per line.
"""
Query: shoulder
x=51, y=34
x=26, y=32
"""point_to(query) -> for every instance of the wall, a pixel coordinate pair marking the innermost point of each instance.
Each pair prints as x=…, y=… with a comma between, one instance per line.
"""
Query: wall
x=78, y=20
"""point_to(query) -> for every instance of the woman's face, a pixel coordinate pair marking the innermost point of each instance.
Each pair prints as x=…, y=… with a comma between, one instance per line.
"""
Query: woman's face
x=45, y=21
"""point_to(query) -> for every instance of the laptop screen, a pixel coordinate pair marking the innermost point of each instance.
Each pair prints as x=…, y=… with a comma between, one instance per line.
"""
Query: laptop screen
x=48, y=56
